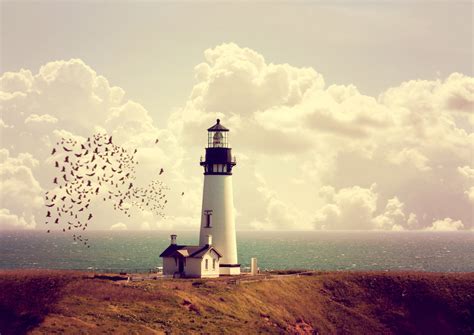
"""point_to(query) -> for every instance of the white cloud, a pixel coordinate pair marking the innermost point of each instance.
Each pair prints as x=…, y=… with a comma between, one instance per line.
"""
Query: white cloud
x=21, y=194
x=349, y=208
x=9, y=221
x=354, y=208
x=20, y=81
x=447, y=224
x=276, y=214
x=4, y=125
x=394, y=218
x=466, y=171
x=68, y=99
x=45, y=118
x=470, y=194
x=307, y=139
x=410, y=156
x=118, y=226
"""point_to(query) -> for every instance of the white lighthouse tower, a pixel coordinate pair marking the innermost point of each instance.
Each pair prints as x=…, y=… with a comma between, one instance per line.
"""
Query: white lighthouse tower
x=217, y=217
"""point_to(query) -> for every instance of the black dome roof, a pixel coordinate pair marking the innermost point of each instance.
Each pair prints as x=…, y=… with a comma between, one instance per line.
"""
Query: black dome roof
x=218, y=127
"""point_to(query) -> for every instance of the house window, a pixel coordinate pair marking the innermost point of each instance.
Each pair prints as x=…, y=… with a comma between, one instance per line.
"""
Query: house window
x=207, y=264
x=213, y=264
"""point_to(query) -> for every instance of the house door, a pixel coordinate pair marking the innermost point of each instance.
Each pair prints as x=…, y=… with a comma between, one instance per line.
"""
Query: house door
x=181, y=265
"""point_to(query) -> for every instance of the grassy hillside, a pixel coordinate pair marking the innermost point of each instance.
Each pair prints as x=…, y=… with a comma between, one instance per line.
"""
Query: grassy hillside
x=319, y=303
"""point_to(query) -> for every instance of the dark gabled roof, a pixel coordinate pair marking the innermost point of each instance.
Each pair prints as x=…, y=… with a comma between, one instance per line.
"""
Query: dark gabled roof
x=205, y=250
x=194, y=251
x=218, y=127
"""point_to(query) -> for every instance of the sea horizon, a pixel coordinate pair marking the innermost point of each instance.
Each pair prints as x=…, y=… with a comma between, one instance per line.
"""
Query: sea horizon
x=138, y=251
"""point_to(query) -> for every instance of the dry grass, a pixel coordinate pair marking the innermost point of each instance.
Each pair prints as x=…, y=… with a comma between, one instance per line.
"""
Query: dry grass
x=325, y=303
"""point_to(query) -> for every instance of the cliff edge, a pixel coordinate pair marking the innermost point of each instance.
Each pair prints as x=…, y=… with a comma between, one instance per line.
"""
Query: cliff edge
x=43, y=301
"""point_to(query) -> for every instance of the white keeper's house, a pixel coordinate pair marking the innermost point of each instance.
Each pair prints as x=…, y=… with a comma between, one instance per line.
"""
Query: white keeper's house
x=216, y=253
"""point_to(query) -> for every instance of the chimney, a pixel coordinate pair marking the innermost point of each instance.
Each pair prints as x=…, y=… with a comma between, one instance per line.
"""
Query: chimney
x=209, y=239
x=173, y=239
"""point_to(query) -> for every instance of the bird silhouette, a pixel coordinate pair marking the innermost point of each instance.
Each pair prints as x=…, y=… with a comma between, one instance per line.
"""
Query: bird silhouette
x=91, y=165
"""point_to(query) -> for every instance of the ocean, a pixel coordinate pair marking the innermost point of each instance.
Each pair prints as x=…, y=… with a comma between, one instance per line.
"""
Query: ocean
x=138, y=251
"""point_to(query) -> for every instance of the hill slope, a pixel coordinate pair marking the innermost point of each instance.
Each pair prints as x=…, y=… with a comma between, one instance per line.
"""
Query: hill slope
x=324, y=303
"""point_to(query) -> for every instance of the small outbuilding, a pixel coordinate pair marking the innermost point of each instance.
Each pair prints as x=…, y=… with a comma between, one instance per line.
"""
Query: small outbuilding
x=191, y=261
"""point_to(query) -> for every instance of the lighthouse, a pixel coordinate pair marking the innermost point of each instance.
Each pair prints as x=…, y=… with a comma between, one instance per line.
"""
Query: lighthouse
x=217, y=217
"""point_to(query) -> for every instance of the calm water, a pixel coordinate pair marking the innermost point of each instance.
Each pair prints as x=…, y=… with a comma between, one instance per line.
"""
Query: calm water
x=139, y=251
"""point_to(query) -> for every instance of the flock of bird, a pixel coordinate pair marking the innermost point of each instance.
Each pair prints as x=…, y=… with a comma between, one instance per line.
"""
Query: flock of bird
x=97, y=168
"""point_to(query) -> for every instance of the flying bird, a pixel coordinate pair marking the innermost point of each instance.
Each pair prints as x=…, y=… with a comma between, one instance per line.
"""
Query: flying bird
x=80, y=178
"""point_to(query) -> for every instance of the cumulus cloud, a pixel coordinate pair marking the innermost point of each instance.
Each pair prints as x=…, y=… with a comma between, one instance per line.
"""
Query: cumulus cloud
x=470, y=194
x=4, y=125
x=466, y=171
x=348, y=208
x=354, y=208
x=68, y=99
x=21, y=194
x=276, y=214
x=409, y=140
x=119, y=226
x=410, y=156
x=9, y=221
x=45, y=118
x=447, y=224
x=319, y=147
x=394, y=218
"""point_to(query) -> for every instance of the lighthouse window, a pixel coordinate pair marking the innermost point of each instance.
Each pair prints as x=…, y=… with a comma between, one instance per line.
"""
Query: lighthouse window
x=208, y=214
x=207, y=264
x=217, y=140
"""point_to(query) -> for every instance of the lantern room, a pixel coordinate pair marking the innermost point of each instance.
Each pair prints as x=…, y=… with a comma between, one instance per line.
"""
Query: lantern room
x=217, y=136
x=218, y=159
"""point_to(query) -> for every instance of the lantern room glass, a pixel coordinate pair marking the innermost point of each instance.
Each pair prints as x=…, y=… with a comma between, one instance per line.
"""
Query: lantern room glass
x=217, y=139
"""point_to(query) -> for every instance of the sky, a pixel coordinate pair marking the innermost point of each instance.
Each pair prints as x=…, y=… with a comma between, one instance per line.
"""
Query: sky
x=346, y=116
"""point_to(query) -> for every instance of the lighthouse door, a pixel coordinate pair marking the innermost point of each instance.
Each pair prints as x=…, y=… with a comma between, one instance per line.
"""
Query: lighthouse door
x=181, y=265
